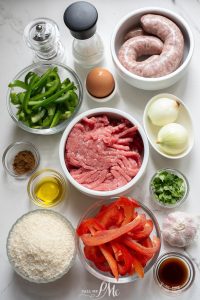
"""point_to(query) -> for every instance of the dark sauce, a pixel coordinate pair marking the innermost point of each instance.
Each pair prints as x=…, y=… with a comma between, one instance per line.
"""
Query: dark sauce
x=173, y=273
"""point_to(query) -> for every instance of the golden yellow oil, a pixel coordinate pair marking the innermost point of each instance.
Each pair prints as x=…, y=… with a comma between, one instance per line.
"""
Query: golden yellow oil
x=49, y=191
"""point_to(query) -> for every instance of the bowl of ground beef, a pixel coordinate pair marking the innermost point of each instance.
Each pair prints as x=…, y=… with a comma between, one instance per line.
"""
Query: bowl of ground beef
x=104, y=152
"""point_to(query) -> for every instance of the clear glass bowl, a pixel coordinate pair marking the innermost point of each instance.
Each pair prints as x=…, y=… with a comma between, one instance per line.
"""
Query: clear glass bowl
x=39, y=68
x=105, y=276
x=61, y=274
x=190, y=267
x=179, y=202
x=37, y=178
x=10, y=153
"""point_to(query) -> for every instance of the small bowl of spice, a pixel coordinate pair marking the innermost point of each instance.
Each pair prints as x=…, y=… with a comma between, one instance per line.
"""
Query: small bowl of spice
x=174, y=273
x=169, y=188
x=46, y=188
x=21, y=159
x=100, y=85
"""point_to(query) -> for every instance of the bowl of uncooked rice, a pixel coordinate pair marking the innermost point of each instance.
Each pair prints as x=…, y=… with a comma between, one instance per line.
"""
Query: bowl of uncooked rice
x=41, y=246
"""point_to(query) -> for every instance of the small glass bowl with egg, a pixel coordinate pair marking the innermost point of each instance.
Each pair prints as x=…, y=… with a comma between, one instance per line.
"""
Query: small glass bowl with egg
x=46, y=188
x=100, y=85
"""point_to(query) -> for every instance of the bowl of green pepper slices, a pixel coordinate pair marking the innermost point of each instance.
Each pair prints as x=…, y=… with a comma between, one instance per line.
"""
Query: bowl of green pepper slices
x=44, y=97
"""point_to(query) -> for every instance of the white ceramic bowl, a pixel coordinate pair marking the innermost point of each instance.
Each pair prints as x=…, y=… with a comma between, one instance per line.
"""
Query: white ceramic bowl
x=131, y=20
x=184, y=118
x=116, y=114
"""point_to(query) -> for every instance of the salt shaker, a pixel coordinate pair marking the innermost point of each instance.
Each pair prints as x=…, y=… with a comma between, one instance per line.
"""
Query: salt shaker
x=43, y=37
x=81, y=19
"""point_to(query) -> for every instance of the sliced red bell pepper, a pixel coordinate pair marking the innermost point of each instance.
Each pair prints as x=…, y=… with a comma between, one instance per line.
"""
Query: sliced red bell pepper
x=149, y=252
x=110, y=216
x=134, y=202
x=104, y=236
x=128, y=208
x=104, y=267
x=139, y=227
x=103, y=207
x=110, y=259
x=132, y=270
x=142, y=258
x=94, y=254
x=144, y=233
x=123, y=257
x=147, y=242
x=138, y=266
x=89, y=225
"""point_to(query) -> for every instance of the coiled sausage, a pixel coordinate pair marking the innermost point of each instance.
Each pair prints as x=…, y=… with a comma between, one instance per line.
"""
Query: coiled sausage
x=158, y=65
x=172, y=53
x=136, y=47
x=133, y=33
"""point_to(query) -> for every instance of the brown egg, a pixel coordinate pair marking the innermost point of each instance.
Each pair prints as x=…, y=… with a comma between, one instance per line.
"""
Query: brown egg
x=100, y=82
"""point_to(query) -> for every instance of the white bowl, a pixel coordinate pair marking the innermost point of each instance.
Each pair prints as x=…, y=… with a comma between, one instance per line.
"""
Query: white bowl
x=184, y=118
x=116, y=114
x=128, y=22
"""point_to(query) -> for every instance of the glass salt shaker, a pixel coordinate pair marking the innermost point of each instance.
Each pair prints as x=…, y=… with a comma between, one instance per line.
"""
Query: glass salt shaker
x=81, y=19
x=43, y=37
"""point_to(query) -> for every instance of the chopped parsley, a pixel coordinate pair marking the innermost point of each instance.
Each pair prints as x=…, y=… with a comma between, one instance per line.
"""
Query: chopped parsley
x=167, y=187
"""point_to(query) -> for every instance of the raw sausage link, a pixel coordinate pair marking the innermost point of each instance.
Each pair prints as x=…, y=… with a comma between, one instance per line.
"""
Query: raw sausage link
x=138, y=31
x=172, y=53
x=156, y=65
x=136, y=47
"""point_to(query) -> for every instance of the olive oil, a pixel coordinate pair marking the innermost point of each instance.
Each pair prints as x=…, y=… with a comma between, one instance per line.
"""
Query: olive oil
x=49, y=191
x=173, y=273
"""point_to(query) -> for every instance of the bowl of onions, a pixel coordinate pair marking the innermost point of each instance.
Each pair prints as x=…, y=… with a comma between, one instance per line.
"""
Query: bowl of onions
x=168, y=126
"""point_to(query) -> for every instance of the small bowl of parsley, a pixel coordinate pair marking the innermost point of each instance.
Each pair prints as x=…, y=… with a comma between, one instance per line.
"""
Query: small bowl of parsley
x=169, y=188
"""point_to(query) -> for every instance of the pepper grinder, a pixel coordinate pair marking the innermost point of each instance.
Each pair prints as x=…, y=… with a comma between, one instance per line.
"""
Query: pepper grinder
x=43, y=37
x=81, y=19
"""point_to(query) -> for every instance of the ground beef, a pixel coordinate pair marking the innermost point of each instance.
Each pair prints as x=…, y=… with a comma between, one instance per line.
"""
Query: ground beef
x=103, y=154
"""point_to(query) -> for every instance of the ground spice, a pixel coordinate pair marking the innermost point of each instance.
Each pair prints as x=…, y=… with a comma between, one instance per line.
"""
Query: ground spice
x=24, y=162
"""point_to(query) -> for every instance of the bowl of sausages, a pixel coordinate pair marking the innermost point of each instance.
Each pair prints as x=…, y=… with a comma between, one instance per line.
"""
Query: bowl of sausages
x=152, y=48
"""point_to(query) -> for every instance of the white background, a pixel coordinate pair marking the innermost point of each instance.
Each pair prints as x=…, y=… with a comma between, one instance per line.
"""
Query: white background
x=14, y=16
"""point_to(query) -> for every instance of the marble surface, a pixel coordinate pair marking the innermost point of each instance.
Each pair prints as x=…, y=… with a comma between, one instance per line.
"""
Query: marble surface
x=14, y=202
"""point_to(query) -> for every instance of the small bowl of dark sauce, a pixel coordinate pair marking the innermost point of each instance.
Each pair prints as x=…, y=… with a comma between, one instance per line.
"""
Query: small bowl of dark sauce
x=174, y=272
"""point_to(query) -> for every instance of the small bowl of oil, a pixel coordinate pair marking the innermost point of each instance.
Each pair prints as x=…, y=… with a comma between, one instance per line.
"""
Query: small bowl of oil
x=46, y=188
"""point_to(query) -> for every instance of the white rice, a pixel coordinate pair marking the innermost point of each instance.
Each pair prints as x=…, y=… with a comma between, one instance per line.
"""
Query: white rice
x=41, y=245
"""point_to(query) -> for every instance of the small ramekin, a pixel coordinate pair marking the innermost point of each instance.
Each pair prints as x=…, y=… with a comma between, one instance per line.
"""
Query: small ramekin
x=37, y=177
x=179, y=202
x=10, y=153
x=191, y=272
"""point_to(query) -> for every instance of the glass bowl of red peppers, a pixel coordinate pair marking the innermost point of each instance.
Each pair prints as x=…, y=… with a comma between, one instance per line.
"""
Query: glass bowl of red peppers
x=118, y=240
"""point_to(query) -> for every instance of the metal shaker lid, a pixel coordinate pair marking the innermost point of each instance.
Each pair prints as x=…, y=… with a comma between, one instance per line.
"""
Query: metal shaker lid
x=81, y=18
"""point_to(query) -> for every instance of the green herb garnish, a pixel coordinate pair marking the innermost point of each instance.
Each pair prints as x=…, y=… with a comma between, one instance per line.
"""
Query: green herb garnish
x=167, y=187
